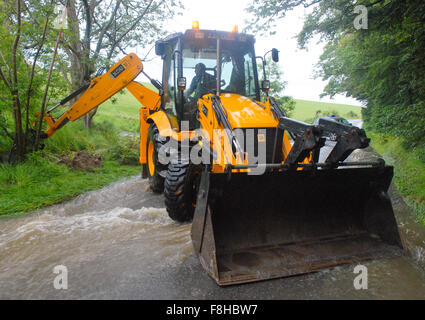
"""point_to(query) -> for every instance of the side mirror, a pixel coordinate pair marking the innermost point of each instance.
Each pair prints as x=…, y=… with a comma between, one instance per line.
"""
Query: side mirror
x=275, y=55
x=159, y=48
x=265, y=85
x=181, y=83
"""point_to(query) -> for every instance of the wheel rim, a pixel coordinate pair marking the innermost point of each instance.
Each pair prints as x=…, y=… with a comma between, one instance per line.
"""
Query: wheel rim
x=151, y=162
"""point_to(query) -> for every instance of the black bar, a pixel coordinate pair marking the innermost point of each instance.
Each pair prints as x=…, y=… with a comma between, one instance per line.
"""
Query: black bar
x=308, y=138
x=71, y=96
x=75, y=93
x=334, y=127
x=221, y=117
x=293, y=126
x=218, y=66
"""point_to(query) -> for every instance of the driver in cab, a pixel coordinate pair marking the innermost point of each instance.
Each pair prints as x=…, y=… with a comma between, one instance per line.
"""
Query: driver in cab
x=202, y=82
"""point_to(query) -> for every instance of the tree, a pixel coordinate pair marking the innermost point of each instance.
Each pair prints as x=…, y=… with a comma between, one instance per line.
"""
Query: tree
x=23, y=51
x=383, y=66
x=266, y=13
x=100, y=30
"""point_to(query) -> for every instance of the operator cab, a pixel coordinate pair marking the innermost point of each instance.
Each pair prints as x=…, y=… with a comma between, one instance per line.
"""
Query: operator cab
x=190, y=70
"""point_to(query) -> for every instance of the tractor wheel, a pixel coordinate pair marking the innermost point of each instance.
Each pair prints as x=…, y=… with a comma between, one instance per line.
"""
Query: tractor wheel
x=153, y=145
x=180, y=190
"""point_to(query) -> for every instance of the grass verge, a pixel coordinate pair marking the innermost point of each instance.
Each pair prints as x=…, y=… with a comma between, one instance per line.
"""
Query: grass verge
x=122, y=111
x=41, y=181
x=409, y=171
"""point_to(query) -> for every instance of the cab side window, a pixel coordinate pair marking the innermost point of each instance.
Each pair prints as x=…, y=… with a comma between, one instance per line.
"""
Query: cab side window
x=169, y=76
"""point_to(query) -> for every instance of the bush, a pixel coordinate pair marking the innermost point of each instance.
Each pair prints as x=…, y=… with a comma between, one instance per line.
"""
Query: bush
x=126, y=151
x=404, y=122
x=287, y=103
x=74, y=137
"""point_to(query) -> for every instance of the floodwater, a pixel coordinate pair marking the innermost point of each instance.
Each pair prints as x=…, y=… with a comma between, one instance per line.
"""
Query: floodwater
x=118, y=243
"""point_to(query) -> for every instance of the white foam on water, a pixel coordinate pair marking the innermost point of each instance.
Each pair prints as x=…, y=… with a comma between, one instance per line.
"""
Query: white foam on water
x=115, y=195
x=119, y=239
x=48, y=224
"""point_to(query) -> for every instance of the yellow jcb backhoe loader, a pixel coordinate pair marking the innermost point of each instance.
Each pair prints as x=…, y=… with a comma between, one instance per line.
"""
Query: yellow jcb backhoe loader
x=228, y=157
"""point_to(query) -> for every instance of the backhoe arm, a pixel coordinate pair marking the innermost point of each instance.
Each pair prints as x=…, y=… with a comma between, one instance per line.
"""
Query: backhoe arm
x=98, y=91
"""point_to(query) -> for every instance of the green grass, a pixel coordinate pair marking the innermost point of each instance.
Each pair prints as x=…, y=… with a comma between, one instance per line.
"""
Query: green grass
x=39, y=182
x=306, y=110
x=409, y=171
x=122, y=110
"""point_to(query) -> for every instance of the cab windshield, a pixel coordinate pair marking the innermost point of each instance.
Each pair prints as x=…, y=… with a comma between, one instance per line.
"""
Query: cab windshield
x=237, y=68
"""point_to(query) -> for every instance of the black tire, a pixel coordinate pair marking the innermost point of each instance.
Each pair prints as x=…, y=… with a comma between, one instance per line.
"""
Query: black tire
x=180, y=190
x=156, y=181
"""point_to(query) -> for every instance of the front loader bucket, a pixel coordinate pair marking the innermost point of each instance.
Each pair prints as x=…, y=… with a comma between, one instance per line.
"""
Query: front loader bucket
x=250, y=228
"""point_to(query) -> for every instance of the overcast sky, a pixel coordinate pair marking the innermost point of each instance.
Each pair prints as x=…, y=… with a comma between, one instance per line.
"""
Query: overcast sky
x=297, y=65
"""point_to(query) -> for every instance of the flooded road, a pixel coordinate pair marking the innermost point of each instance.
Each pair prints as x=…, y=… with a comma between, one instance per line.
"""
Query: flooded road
x=118, y=243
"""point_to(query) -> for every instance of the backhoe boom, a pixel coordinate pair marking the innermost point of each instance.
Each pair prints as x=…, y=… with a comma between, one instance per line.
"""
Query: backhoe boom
x=100, y=89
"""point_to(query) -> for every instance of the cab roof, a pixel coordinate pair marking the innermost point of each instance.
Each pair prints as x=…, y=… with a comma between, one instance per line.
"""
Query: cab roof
x=210, y=34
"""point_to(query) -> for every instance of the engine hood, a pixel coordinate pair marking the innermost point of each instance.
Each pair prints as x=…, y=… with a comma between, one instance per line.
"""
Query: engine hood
x=242, y=112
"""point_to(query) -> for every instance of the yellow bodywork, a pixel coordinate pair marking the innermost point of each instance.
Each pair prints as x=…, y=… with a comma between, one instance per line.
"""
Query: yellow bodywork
x=246, y=113
x=241, y=112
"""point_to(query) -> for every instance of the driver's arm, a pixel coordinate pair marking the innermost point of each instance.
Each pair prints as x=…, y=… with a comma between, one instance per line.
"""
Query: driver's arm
x=192, y=87
x=212, y=81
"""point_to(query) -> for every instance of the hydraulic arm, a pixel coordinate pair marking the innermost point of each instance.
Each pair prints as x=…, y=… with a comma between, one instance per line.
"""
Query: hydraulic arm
x=101, y=88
